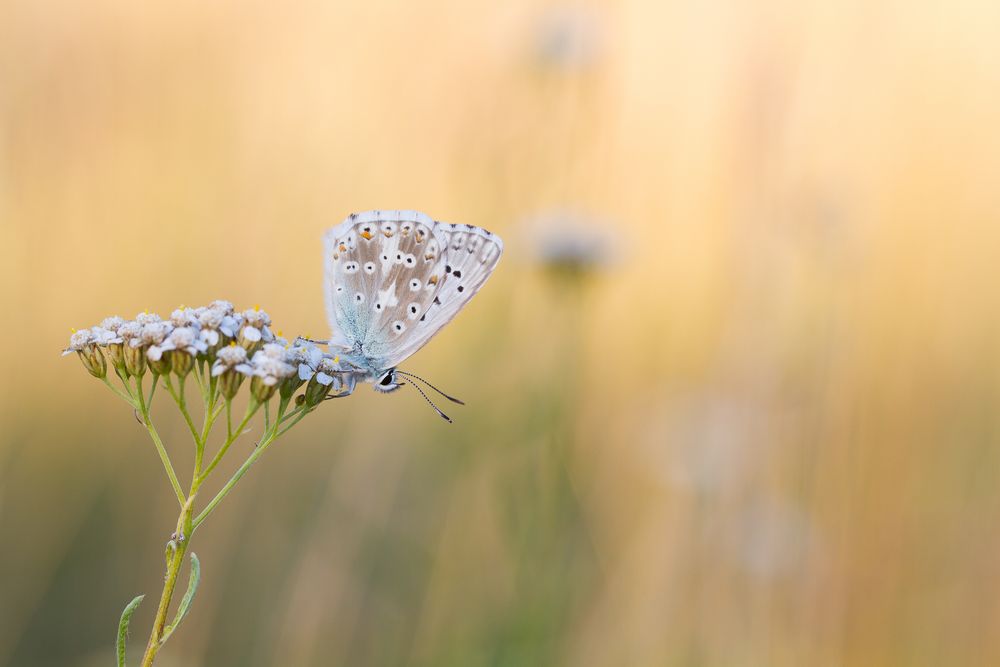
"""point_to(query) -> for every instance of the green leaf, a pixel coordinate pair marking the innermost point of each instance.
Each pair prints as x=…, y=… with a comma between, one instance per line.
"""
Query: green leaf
x=123, y=627
x=182, y=610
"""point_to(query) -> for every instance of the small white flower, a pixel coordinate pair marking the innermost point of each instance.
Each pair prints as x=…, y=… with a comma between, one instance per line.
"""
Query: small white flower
x=183, y=317
x=270, y=366
x=306, y=357
x=256, y=317
x=211, y=318
x=79, y=340
x=229, y=325
x=209, y=337
x=104, y=336
x=112, y=323
x=327, y=370
x=221, y=305
x=130, y=331
x=274, y=351
x=153, y=333
x=250, y=333
x=147, y=317
x=231, y=357
x=185, y=339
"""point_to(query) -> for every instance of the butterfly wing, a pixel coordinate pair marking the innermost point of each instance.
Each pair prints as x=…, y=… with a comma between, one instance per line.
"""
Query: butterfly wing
x=394, y=278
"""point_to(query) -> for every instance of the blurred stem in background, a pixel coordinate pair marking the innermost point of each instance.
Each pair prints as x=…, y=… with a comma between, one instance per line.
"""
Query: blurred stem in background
x=556, y=562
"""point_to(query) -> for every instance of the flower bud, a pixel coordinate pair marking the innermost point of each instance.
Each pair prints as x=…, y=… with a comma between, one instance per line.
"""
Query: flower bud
x=249, y=339
x=135, y=360
x=93, y=361
x=181, y=362
x=229, y=383
x=319, y=386
x=116, y=355
x=290, y=385
x=261, y=390
x=158, y=360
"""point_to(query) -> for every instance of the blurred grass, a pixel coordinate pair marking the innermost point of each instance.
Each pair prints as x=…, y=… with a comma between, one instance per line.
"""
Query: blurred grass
x=765, y=434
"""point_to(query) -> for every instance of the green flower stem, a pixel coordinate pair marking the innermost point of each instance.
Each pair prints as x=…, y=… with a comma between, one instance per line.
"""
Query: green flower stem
x=176, y=549
x=122, y=395
x=199, y=369
x=231, y=437
x=178, y=396
x=152, y=390
x=161, y=450
x=270, y=436
x=295, y=421
x=211, y=414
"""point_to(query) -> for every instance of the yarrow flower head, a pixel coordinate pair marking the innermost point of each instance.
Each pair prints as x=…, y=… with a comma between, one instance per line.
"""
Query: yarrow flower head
x=328, y=378
x=254, y=329
x=270, y=366
x=231, y=367
x=84, y=344
x=232, y=344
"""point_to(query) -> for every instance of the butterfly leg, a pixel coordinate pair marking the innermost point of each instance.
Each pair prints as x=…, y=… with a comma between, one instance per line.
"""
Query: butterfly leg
x=310, y=340
x=347, y=385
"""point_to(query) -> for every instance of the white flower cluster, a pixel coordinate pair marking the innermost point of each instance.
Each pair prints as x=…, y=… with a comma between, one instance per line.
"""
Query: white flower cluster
x=235, y=345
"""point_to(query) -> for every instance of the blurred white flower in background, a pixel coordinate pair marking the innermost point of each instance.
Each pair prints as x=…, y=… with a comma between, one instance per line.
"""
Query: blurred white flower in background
x=568, y=38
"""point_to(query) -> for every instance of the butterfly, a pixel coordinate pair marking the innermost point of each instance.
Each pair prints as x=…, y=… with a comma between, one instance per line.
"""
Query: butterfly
x=392, y=280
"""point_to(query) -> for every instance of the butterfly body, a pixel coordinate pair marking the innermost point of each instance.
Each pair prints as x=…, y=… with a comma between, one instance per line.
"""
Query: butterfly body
x=393, y=279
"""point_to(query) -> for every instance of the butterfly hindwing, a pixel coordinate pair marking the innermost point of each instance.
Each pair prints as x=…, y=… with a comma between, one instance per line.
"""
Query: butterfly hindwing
x=470, y=256
x=394, y=278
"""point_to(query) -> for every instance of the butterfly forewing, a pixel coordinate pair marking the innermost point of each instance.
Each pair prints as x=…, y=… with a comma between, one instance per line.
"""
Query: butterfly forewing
x=394, y=278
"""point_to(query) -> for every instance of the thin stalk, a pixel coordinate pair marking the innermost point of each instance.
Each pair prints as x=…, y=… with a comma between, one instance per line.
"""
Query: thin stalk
x=152, y=390
x=201, y=382
x=269, y=437
x=294, y=422
x=160, y=449
x=125, y=397
x=175, y=560
x=178, y=397
x=230, y=439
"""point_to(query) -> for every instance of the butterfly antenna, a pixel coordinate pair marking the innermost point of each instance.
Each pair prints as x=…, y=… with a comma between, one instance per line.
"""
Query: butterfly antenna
x=450, y=398
x=431, y=403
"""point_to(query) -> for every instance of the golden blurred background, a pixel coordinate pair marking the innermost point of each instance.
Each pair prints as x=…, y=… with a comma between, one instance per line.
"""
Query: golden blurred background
x=732, y=393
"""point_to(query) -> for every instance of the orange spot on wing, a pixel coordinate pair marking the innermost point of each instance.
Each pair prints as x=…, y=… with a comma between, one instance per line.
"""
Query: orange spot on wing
x=366, y=236
x=433, y=280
